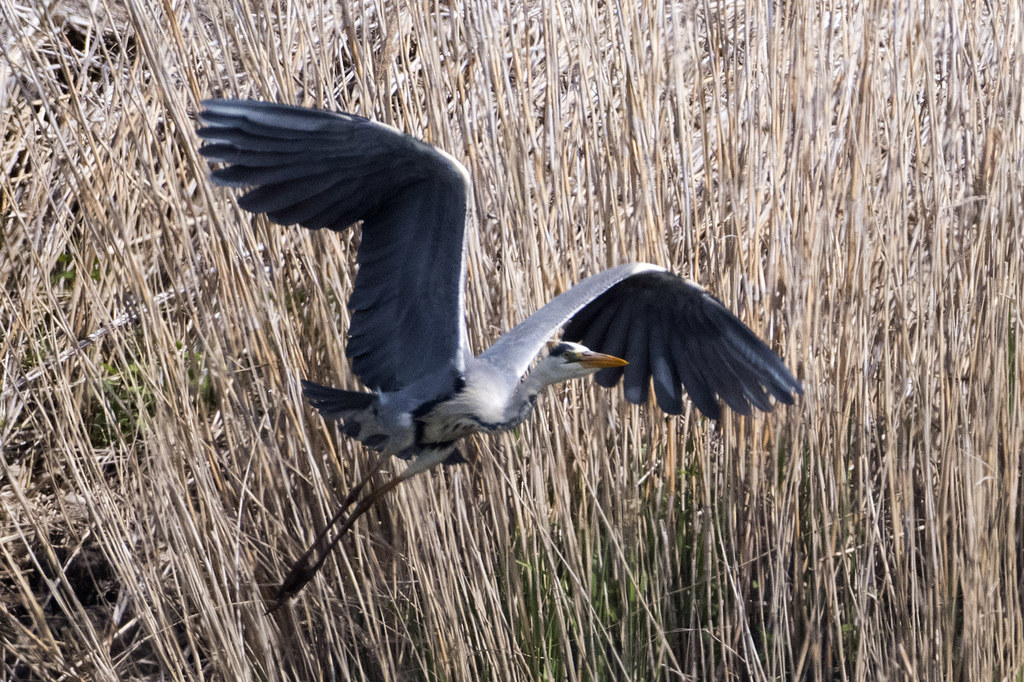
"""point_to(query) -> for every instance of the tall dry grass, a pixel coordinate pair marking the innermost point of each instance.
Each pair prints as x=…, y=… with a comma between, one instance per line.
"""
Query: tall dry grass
x=847, y=178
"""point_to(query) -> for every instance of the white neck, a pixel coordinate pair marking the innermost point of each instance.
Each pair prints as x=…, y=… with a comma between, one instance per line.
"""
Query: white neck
x=547, y=372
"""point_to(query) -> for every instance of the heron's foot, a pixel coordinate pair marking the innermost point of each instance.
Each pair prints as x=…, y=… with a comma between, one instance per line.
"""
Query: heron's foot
x=299, y=575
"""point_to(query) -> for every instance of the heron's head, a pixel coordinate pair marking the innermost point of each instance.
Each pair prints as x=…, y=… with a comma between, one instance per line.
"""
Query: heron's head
x=567, y=360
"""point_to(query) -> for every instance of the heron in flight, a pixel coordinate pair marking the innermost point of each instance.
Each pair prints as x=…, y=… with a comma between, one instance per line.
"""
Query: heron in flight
x=407, y=339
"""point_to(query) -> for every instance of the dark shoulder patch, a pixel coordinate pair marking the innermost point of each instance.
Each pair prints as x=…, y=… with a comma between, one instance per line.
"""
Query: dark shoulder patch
x=458, y=383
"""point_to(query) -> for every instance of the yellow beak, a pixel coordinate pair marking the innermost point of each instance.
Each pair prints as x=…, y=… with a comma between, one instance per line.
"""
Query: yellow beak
x=593, y=359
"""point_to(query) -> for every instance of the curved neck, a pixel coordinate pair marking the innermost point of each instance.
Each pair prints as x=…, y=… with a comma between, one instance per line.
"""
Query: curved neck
x=524, y=397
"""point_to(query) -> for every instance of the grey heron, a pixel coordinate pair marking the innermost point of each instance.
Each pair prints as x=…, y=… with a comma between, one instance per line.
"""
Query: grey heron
x=407, y=339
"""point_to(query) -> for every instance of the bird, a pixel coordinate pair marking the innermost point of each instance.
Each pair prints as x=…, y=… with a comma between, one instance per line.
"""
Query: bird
x=637, y=323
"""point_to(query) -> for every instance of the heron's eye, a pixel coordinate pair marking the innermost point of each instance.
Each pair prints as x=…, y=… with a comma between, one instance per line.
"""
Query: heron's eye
x=561, y=349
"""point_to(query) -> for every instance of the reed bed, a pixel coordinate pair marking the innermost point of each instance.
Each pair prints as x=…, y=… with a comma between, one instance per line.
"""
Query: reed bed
x=845, y=176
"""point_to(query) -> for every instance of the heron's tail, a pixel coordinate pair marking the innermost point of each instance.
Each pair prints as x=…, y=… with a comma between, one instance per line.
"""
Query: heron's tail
x=334, y=403
x=356, y=410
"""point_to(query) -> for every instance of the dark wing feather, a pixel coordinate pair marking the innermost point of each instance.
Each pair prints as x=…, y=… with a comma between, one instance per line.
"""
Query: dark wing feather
x=666, y=387
x=636, y=376
x=323, y=169
x=677, y=333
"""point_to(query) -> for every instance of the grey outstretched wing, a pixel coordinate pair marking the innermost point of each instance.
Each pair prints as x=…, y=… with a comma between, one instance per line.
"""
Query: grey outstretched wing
x=669, y=329
x=514, y=350
x=324, y=169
